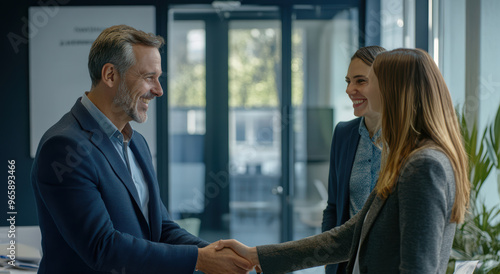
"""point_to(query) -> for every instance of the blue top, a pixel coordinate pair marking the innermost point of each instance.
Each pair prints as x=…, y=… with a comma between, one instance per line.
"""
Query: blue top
x=345, y=141
x=365, y=169
x=116, y=138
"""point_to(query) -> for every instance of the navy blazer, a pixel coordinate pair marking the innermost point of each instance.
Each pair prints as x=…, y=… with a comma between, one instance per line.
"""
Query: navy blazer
x=344, y=145
x=88, y=208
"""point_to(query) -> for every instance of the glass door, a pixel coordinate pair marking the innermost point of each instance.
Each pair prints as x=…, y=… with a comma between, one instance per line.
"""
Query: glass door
x=226, y=133
x=186, y=125
x=224, y=121
x=323, y=41
x=254, y=131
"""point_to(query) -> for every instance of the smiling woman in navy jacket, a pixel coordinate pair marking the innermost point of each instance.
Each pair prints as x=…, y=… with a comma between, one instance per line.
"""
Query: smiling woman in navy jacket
x=354, y=156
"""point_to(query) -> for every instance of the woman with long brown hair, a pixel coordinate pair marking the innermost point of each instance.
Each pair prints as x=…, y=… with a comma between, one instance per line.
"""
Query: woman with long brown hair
x=408, y=223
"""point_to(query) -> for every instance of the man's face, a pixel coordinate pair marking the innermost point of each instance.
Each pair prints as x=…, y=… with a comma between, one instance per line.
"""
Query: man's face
x=140, y=84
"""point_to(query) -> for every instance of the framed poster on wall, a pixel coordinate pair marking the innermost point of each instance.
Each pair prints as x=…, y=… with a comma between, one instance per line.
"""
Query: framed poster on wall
x=59, y=45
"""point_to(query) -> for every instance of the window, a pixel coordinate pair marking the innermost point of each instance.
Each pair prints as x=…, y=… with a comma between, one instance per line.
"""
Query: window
x=397, y=22
x=467, y=54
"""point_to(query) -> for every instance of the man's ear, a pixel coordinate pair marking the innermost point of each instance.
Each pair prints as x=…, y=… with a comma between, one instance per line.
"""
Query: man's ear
x=109, y=75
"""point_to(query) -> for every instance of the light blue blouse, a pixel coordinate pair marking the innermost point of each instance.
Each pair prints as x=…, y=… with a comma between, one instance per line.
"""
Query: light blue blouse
x=365, y=169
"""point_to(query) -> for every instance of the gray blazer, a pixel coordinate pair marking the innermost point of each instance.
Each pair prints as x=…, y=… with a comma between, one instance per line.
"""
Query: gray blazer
x=409, y=232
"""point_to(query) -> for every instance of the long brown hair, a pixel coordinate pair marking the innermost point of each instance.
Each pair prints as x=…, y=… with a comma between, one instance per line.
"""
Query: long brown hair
x=417, y=112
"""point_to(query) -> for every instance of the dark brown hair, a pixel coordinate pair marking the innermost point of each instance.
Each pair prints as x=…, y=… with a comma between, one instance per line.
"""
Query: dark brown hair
x=368, y=54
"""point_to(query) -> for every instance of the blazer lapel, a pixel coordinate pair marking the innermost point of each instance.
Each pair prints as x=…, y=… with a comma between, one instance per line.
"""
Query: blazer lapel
x=102, y=142
x=351, y=149
x=371, y=216
x=367, y=216
x=352, y=145
x=141, y=150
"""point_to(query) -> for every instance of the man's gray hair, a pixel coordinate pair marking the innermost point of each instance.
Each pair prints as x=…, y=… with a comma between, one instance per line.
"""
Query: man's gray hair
x=114, y=45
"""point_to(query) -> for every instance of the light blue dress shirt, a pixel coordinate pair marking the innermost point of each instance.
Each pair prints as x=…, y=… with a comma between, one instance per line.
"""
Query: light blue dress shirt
x=365, y=169
x=117, y=139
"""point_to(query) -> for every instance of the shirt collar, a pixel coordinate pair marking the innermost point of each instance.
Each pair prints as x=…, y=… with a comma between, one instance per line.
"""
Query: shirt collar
x=107, y=126
x=363, y=131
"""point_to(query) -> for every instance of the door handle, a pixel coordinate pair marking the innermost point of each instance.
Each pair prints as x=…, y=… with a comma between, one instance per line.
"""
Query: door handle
x=277, y=190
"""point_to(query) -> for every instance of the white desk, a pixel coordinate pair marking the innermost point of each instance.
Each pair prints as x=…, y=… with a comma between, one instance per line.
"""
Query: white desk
x=15, y=271
x=28, y=245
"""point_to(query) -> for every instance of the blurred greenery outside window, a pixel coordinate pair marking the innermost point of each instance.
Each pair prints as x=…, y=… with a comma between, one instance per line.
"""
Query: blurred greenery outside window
x=251, y=85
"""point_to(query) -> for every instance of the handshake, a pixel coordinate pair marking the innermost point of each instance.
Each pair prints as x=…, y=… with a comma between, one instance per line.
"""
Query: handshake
x=227, y=256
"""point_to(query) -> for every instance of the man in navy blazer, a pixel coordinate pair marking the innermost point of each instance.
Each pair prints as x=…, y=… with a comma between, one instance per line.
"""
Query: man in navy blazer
x=96, y=191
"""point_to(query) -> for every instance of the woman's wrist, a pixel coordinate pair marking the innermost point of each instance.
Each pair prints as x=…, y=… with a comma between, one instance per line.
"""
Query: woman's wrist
x=254, y=256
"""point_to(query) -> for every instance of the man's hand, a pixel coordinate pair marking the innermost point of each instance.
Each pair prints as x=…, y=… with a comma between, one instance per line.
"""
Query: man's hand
x=223, y=261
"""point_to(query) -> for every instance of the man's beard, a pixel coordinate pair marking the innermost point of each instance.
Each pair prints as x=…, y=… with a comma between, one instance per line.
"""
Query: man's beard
x=125, y=102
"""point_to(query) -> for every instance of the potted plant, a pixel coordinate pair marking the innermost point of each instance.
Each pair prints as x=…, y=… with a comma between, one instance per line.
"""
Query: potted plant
x=478, y=238
x=493, y=144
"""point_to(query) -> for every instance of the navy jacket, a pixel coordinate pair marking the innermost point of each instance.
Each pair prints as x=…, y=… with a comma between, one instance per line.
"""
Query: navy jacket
x=344, y=144
x=88, y=209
